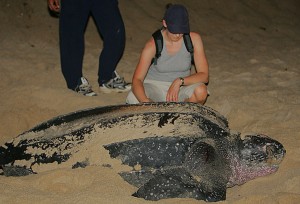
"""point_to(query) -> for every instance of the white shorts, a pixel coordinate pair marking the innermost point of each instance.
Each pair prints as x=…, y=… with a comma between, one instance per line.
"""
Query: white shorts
x=157, y=91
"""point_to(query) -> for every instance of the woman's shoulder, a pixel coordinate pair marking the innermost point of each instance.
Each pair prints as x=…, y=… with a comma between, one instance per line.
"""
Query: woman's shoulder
x=195, y=35
x=149, y=47
x=150, y=41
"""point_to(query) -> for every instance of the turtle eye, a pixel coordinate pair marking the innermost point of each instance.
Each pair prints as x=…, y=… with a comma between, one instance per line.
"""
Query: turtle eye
x=270, y=153
x=270, y=150
x=274, y=154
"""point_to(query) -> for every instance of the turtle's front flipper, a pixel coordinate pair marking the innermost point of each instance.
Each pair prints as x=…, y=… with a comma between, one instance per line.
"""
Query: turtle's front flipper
x=152, y=152
x=174, y=186
x=137, y=178
x=206, y=164
x=214, y=193
x=173, y=183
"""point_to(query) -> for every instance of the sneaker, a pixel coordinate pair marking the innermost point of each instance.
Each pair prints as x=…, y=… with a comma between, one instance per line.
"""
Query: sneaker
x=116, y=84
x=84, y=88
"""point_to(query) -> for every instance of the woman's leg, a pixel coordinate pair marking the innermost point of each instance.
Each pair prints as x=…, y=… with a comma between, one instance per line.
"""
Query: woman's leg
x=155, y=90
x=199, y=95
x=196, y=93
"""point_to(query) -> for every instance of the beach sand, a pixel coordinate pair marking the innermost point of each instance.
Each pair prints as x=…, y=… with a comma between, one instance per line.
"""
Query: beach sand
x=253, y=49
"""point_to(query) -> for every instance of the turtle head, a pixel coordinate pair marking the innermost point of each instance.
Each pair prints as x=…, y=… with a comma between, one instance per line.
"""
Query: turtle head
x=261, y=150
x=259, y=156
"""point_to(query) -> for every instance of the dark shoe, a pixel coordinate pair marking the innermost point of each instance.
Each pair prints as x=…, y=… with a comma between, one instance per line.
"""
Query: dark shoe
x=84, y=88
x=116, y=84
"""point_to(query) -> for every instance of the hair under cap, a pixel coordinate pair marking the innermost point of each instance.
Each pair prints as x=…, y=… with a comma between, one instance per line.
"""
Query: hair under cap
x=177, y=19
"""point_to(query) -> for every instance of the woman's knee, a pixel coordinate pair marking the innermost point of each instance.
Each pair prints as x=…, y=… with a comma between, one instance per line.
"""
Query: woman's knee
x=200, y=94
x=201, y=91
x=131, y=99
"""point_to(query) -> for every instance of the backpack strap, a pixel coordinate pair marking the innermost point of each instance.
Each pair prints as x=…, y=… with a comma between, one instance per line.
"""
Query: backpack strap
x=189, y=44
x=158, y=39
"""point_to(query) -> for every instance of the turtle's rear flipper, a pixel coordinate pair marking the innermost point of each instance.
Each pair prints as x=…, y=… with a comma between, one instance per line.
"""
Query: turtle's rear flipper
x=15, y=171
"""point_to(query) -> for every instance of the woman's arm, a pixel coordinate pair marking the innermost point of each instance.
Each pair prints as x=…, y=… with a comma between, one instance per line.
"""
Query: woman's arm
x=141, y=71
x=200, y=61
x=201, y=67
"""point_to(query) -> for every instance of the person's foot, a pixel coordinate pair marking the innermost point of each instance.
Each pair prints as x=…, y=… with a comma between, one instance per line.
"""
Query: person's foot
x=84, y=87
x=116, y=84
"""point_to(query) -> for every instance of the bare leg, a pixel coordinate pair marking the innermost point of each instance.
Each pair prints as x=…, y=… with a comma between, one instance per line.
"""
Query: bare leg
x=199, y=95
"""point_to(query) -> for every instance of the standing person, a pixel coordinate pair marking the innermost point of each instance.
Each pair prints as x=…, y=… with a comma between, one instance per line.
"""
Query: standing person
x=170, y=78
x=74, y=15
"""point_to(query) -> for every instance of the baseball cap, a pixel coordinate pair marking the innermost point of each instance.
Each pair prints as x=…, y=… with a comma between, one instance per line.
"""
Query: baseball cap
x=177, y=19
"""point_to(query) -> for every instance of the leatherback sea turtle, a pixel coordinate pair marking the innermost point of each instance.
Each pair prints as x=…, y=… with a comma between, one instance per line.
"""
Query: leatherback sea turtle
x=174, y=149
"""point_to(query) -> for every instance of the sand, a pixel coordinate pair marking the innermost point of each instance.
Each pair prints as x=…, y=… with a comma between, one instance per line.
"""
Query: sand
x=253, y=49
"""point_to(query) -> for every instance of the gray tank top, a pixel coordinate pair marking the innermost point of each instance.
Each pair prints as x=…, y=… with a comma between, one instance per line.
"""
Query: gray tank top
x=170, y=67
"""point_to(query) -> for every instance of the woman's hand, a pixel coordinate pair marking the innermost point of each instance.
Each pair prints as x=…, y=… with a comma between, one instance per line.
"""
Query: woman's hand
x=54, y=5
x=147, y=100
x=172, y=95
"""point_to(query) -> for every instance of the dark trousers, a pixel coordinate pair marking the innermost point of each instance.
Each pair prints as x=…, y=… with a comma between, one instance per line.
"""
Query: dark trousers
x=73, y=20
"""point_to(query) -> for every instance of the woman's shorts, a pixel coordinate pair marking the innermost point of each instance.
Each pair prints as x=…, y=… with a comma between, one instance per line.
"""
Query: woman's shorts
x=157, y=91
